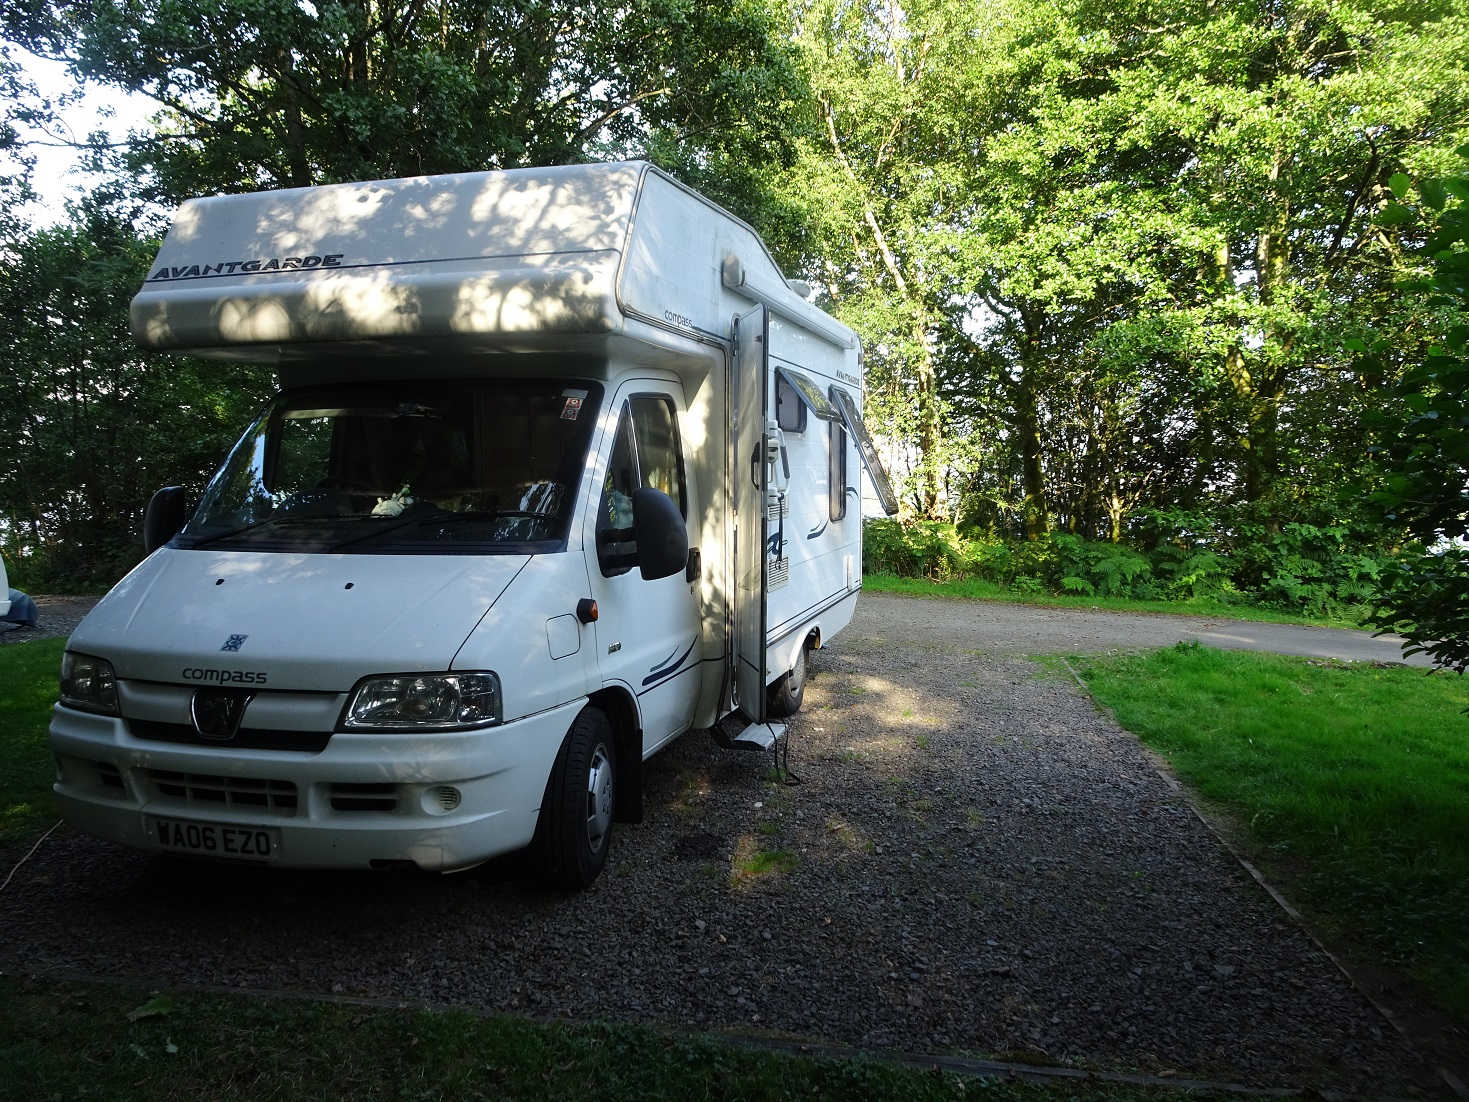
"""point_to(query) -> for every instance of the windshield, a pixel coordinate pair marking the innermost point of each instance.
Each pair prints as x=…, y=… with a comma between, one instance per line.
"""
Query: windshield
x=414, y=466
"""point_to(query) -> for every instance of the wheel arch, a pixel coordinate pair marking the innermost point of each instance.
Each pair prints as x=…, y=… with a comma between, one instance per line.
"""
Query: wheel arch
x=807, y=640
x=621, y=710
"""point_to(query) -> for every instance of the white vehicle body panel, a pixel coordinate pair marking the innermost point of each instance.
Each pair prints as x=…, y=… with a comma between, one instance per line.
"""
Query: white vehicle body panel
x=302, y=623
x=610, y=273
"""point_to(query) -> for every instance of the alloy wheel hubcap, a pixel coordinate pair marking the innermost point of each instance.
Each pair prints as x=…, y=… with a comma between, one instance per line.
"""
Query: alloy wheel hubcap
x=599, y=798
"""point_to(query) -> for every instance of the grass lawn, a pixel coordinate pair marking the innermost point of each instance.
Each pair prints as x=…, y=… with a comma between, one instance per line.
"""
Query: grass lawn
x=976, y=590
x=69, y=1040
x=1351, y=781
x=28, y=673
x=78, y=1040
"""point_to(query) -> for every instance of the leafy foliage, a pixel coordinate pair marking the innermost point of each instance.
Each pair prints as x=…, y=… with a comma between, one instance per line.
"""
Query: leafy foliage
x=1303, y=569
x=1426, y=458
x=1106, y=257
x=274, y=93
x=94, y=425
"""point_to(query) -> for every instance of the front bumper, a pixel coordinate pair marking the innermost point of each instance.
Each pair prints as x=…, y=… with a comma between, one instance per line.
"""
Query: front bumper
x=363, y=800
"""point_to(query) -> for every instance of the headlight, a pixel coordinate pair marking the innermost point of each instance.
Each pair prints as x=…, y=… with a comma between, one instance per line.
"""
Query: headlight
x=424, y=702
x=88, y=683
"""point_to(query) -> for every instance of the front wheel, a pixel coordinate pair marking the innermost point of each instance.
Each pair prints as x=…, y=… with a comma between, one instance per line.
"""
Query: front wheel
x=787, y=693
x=575, y=830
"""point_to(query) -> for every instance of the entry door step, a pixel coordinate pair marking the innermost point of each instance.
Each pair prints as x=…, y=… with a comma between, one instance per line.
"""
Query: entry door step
x=760, y=736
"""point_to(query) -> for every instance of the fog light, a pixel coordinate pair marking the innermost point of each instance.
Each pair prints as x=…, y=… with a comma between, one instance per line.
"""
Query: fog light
x=441, y=799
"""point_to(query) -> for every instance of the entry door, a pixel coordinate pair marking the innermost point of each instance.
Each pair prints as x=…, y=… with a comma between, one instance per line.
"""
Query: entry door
x=749, y=480
x=647, y=632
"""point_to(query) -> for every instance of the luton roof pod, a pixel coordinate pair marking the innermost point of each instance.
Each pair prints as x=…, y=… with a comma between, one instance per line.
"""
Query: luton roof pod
x=496, y=261
x=580, y=258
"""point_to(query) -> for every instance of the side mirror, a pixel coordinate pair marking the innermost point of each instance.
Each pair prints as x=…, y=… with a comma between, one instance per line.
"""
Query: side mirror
x=165, y=516
x=663, y=539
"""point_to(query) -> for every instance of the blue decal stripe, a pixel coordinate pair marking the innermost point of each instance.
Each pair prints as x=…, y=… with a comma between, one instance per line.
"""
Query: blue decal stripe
x=658, y=675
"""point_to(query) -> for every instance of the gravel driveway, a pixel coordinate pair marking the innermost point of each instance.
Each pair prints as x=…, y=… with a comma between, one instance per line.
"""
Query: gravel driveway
x=975, y=862
x=54, y=616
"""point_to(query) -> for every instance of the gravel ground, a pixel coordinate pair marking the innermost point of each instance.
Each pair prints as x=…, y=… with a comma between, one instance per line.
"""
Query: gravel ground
x=975, y=862
x=55, y=616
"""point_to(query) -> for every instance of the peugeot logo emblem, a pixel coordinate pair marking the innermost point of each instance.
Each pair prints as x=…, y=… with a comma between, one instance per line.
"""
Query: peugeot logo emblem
x=217, y=712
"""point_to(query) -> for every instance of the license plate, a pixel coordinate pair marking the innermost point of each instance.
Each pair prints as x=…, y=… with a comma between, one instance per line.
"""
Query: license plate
x=249, y=843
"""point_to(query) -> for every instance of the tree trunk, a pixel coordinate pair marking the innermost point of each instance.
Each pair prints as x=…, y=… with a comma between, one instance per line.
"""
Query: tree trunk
x=1262, y=455
x=1027, y=425
x=1028, y=430
x=928, y=426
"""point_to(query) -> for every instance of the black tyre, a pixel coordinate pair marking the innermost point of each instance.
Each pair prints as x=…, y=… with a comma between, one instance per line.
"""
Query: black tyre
x=575, y=829
x=787, y=693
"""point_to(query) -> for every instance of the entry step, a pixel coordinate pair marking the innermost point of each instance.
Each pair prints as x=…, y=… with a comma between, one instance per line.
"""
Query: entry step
x=760, y=736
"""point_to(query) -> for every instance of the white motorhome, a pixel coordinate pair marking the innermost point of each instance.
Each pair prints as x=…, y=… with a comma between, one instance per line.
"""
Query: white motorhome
x=561, y=468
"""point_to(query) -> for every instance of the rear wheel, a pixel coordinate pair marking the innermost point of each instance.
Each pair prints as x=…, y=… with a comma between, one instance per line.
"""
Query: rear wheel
x=575, y=830
x=787, y=693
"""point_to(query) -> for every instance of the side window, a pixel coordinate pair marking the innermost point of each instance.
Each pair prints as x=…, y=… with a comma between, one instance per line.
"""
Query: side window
x=790, y=411
x=836, y=475
x=660, y=460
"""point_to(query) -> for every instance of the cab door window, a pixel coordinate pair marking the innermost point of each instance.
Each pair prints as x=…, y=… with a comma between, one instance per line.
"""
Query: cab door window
x=646, y=453
x=660, y=460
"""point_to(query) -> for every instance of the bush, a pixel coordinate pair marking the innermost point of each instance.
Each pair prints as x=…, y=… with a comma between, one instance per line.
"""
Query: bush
x=1305, y=568
x=922, y=549
x=90, y=568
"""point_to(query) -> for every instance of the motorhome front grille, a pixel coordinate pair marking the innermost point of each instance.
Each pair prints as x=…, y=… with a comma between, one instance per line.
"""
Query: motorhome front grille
x=246, y=738
x=109, y=777
x=206, y=790
x=364, y=797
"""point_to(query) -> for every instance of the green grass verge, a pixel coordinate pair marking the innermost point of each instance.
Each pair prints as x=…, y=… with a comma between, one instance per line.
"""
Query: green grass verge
x=28, y=673
x=974, y=589
x=67, y=1040
x=1351, y=781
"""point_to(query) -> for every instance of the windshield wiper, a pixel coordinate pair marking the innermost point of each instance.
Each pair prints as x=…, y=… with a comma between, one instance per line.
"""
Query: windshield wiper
x=259, y=524
x=438, y=518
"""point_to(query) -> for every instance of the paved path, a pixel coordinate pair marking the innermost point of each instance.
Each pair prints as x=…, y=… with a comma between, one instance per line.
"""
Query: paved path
x=993, y=627
x=55, y=616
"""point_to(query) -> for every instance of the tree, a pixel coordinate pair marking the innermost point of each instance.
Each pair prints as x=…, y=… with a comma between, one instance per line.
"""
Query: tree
x=1140, y=232
x=1426, y=486
x=880, y=75
x=93, y=425
x=274, y=93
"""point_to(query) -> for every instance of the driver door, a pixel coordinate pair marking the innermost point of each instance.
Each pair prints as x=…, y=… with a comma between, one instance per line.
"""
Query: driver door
x=647, y=631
